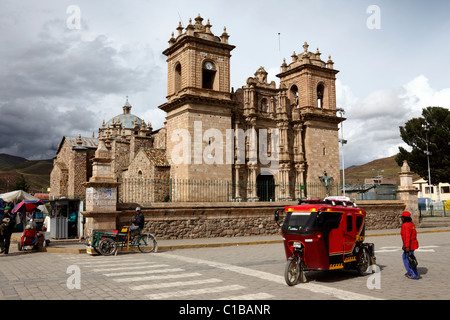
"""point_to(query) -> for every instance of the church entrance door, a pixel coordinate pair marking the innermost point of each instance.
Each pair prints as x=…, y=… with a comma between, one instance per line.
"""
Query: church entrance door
x=265, y=185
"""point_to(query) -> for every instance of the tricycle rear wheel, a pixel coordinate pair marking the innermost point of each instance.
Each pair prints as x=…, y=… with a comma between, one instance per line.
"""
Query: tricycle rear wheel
x=363, y=263
x=107, y=247
x=147, y=243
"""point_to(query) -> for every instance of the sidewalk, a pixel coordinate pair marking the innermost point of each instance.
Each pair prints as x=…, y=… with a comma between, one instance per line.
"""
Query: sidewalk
x=76, y=246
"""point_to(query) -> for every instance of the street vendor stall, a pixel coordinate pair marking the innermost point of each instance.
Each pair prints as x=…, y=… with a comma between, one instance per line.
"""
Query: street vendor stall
x=66, y=220
x=23, y=202
x=17, y=196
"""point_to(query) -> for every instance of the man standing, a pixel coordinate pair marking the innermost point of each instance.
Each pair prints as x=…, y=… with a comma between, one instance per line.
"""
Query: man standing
x=410, y=243
x=8, y=223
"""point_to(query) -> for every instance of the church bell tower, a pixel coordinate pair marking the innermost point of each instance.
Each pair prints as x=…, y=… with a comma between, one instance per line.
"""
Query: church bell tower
x=312, y=97
x=198, y=107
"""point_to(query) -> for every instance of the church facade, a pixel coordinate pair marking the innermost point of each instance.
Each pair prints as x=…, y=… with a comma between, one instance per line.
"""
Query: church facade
x=262, y=141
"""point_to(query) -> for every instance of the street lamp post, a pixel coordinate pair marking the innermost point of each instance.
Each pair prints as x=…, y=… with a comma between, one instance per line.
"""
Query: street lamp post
x=342, y=141
x=428, y=153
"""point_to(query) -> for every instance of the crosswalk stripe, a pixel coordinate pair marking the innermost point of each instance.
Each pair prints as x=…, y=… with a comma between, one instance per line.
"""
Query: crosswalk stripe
x=316, y=288
x=175, y=284
x=133, y=267
x=143, y=272
x=184, y=293
x=109, y=262
x=128, y=267
x=399, y=249
x=118, y=264
x=251, y=296
x=159, y=277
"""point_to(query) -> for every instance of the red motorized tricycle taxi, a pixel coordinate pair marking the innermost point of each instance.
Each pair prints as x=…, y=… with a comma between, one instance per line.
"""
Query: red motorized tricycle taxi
x=324, y=235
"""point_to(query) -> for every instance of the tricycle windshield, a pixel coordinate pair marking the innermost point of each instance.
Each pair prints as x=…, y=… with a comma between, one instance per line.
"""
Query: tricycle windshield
x=296, y=221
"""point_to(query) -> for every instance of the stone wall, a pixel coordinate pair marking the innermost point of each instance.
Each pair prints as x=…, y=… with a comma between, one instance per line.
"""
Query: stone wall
x=382, y=214
x=71, y=170
x=201, y=220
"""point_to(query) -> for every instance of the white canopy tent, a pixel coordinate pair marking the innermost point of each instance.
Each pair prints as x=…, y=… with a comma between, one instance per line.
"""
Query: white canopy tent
x=20, y=195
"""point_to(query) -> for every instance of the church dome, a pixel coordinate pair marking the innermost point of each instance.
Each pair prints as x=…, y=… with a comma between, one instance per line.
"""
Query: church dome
x=126, y=120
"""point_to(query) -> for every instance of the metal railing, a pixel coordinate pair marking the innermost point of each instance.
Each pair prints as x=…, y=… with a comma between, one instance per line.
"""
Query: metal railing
x=144, y=191
x=433, y=209
x=138, y=190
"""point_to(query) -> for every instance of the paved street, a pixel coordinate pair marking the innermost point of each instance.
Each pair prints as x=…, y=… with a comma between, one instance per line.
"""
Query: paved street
x=237, y=272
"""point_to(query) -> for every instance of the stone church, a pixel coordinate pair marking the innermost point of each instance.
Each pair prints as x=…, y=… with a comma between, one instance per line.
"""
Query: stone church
x=282, y=138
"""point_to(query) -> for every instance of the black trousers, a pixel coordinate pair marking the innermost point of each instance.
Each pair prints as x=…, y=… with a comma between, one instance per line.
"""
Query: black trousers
x=5, y=241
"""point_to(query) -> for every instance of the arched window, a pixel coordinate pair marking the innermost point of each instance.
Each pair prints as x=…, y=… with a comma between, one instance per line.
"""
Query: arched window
x=178, y=77
x=208, y=75
x=294, y=95
x=320, y=92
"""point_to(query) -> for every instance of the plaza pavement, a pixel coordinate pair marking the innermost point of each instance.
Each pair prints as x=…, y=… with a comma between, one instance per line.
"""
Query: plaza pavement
x=76, y=246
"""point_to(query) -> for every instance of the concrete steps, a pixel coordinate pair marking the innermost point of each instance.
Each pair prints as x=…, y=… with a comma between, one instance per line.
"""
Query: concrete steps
x=433, y=222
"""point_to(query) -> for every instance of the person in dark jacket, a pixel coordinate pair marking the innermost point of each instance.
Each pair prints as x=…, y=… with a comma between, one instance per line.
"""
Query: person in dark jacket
x=410, y=243
x=7, y=225
x=137, y=221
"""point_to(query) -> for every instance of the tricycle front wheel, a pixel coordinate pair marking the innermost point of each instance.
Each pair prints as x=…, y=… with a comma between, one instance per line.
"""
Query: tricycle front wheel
x=147, y=243
x=294, y=272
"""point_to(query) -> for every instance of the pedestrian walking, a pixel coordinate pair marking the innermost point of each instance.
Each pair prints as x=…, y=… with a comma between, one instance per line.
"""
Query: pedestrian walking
x=7, y=225
x=410, y=243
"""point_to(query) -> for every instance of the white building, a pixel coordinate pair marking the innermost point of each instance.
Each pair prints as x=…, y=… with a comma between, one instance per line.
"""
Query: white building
x=440, y=192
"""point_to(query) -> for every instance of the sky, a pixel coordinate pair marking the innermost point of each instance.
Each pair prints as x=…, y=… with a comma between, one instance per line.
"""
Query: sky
x=68, y=65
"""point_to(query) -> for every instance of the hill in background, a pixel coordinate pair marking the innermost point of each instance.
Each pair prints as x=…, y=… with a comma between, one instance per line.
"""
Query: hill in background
x=6, y=160
x=385, y=167
x=35, y=172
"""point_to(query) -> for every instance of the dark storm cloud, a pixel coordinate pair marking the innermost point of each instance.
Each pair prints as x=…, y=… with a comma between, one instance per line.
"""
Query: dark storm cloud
x=68, y=66
x=53, y=86
x=32, y=128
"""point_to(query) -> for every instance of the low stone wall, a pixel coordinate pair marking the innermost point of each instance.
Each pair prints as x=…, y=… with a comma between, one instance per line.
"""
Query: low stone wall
x=200, y=220
x=382, y=214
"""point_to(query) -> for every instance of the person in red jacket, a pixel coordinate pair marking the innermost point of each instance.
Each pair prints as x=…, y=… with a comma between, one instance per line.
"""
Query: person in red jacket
x=410, y=243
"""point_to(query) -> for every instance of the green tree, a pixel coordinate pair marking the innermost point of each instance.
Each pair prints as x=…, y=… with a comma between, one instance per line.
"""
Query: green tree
x=431, y=131
x=21, y=184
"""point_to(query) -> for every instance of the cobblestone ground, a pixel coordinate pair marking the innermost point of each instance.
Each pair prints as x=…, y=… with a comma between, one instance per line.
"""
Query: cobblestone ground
x=237, y=272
